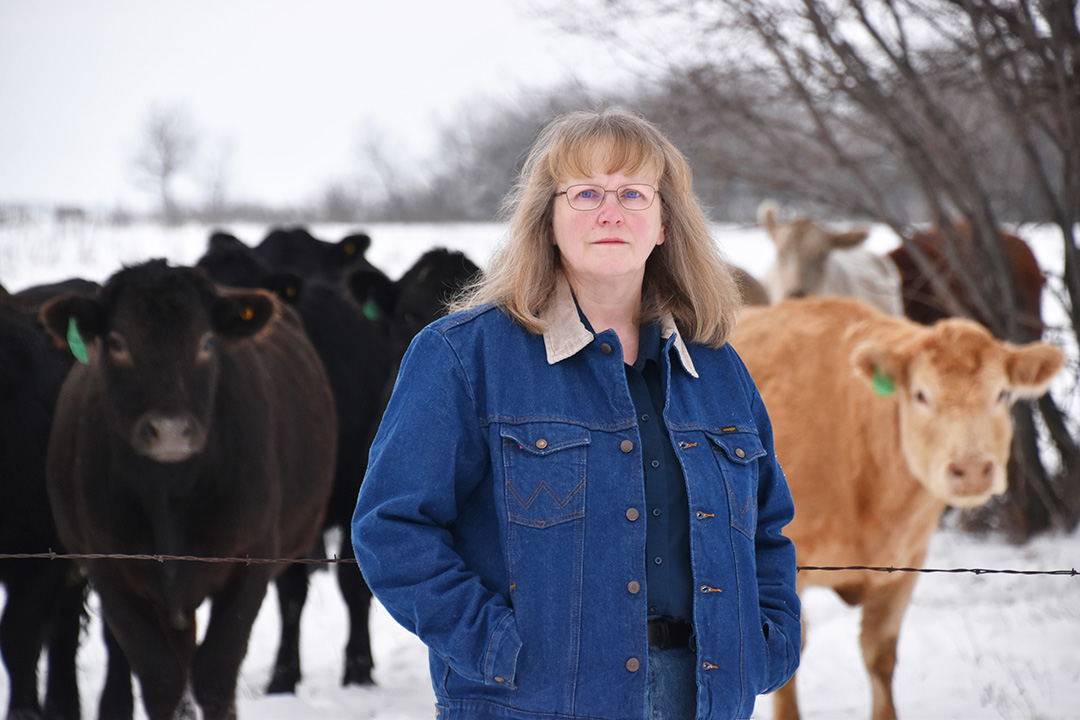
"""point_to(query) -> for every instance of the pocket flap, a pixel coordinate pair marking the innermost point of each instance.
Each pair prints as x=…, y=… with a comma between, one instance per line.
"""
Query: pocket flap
x=544, y=438
x=738, y=446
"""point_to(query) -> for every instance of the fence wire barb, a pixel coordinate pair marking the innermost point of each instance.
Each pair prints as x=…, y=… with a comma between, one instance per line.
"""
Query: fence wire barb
x=336, y=560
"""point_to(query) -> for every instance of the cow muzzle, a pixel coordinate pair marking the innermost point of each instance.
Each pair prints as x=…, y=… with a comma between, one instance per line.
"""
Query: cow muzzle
x=972, y=480
x=167, y=438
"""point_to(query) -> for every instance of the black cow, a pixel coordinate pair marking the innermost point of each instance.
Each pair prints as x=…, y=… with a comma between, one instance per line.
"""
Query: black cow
x=44, y=598
x=355, y=350
x=297, y=250
x=200, y=424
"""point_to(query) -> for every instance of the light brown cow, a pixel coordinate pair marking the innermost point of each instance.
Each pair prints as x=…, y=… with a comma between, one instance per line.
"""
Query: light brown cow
x=879, y=424
x=813, y=260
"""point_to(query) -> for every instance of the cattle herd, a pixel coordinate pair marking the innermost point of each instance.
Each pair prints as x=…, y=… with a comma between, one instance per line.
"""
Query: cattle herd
x=224, y=411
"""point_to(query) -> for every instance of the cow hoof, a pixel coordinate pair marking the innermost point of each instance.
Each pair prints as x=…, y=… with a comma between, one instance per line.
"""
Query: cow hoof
x=282, y=683
x=357, y=672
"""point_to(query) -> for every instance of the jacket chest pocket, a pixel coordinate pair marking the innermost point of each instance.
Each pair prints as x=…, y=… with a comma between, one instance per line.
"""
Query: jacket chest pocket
x=737, y=455
x=544, y=467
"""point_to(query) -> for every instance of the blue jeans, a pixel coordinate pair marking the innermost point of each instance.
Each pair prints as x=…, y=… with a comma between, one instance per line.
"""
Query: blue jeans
x=671, y=685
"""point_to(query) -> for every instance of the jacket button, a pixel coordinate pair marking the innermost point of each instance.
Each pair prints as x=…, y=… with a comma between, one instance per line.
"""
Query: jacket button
x=632, y=664
x=626, y=445
x=634, y=587
x=605, y=348
x=541, y=444
x=499, y=679
x=632, y=514
x=739, y=452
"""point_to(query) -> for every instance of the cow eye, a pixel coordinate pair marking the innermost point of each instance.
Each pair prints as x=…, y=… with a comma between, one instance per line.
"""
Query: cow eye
x=922, y=398
x=117, y=347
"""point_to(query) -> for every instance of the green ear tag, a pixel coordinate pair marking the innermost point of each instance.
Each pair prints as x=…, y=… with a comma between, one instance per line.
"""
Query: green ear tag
x=75, y=342
x=371, y=310
x=883, y=384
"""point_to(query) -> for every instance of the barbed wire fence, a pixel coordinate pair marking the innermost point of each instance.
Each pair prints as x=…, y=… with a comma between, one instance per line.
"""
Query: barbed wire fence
x=336, y=560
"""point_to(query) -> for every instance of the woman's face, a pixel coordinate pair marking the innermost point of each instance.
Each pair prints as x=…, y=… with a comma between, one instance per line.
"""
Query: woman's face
x=609, y=243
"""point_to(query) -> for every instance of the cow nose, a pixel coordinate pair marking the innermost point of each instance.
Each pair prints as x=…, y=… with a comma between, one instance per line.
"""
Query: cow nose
x=971, y=476
x=166, y=438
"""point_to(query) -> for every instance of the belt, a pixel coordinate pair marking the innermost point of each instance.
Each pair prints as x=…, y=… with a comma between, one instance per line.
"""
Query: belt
x=664, y=633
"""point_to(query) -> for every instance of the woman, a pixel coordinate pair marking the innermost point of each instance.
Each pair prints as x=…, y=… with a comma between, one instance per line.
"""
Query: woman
x=578, y=510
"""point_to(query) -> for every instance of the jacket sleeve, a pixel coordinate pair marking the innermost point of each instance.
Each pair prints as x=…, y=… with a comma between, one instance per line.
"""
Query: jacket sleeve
x=428, y=455
x=776, y=563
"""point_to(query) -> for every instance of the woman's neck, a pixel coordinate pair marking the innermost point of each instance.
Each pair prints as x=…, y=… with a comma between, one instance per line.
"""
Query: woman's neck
x=612, y=306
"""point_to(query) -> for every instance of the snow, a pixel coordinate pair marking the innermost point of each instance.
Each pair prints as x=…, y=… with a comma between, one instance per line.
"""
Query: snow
x=972, y=646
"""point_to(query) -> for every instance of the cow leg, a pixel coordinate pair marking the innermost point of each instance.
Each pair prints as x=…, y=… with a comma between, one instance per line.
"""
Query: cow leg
x=159, y=655
x=357, y=596
x=34, y=600
x=217, y=661
x=116, y=702
x=62, y=686
x=883, y=610
x=22, y=629
x=292, y=590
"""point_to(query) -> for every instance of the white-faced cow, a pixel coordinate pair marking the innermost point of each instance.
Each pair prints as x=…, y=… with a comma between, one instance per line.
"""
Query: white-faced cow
x=201, y=424
x=880, y=423
x=813, y=260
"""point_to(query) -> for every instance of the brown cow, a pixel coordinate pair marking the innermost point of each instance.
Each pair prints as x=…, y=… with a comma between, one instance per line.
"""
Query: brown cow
x=925, y=304
x=813, y=260
x=880, y=423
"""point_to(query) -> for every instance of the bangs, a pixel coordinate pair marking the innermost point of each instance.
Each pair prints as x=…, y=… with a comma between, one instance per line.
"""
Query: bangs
x=606, y=149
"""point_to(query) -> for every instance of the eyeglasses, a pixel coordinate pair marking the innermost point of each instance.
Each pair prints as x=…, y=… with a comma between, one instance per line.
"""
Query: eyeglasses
x=589, y=197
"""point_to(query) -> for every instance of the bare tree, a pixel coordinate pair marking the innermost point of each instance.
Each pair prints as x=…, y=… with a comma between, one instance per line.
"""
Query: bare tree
x=843, y=102
x=167, y=147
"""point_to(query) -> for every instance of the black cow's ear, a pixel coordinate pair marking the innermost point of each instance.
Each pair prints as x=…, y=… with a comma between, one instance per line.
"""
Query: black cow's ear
x=354, y=245
x=57, y=315
x=375, y=293
x=243, y=314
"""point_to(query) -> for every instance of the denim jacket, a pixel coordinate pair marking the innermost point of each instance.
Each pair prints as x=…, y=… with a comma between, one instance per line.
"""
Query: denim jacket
x=502, y=520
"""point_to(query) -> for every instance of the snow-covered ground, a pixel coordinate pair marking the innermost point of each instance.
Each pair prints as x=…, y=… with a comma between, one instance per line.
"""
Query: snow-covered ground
x=972, y=646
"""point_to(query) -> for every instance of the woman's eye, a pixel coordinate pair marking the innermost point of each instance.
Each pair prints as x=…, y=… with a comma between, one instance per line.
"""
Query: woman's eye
x=586, y=194
x=631, y=194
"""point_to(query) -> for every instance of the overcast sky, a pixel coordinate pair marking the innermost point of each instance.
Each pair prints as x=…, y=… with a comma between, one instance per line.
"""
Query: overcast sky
x=284, y=89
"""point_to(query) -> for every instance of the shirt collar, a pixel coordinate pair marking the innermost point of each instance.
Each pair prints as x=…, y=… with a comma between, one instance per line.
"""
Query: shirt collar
x=566, y=335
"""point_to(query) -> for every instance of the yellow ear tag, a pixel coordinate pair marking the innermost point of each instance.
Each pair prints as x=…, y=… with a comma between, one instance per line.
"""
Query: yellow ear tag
x=883, y=384
x=247, y=313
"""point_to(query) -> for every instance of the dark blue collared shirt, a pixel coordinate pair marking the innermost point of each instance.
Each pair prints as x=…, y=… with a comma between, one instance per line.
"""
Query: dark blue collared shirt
x=667, y=536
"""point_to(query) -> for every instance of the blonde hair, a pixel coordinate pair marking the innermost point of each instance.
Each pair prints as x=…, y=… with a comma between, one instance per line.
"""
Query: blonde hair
x=687, y=276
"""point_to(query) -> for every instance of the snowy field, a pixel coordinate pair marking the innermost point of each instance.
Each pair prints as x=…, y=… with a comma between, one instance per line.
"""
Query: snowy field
x=972, y=646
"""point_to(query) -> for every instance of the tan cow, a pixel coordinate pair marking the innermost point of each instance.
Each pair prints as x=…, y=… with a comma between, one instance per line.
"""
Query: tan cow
x=813, y=260
x=879, y=424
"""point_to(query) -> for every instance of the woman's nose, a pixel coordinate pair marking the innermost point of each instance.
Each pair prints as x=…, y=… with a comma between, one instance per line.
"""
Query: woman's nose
x=610, y=210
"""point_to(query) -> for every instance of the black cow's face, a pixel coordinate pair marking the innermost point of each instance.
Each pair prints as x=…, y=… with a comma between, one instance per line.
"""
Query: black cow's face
x=158, y=336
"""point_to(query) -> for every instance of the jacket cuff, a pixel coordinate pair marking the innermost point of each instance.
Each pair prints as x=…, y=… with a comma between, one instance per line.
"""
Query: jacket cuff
x=503, y=649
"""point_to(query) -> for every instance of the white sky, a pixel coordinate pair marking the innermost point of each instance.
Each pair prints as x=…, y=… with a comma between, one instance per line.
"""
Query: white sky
x=288, y=86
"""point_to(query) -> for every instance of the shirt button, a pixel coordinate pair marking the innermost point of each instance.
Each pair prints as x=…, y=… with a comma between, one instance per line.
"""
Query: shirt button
x=632, y=514
x=634, y=587
x=656, y=512
x=645, y=418
x=541, y=444
x=739, y=452
x=658, y=560
x=632, y=664
x=626, y=445
x=655, y=463
x=605, y=348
